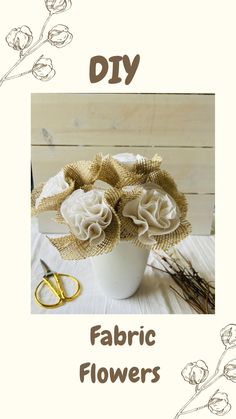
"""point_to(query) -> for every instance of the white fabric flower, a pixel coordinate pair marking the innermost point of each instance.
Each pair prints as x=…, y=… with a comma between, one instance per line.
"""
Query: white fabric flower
x=195, y=372
x=54, y=186
x=87, y=215
x=128, y=159
x=154, y=212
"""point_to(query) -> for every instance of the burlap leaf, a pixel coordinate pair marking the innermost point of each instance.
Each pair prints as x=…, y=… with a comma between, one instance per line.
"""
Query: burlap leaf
x=72, y=248
x=51, y=203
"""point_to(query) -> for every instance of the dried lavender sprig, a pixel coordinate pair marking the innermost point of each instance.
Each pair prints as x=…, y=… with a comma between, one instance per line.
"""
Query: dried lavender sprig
x=196, y=291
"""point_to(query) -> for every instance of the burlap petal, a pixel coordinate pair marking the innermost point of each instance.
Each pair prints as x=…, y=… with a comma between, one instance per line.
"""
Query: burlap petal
x=80, y=172
x=147, y=166
x=51, y=203
x=109, y=170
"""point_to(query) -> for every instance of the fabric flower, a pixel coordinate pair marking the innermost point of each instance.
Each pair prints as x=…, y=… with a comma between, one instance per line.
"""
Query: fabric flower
x=43, y=69
x=20, y=38
x=228, y=335
x=58, y=6
x=230, y=370
x=59, y=36
x=219, y=404
x=98, y=232
x=154, y=212
x=55, y=185
x=128, y=160
x=195, y=372
x=87, y=215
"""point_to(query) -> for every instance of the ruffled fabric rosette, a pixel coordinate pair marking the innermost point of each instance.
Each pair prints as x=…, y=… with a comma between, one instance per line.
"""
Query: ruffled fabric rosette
x=94, y=225
x=141, y=203
x=153, y=215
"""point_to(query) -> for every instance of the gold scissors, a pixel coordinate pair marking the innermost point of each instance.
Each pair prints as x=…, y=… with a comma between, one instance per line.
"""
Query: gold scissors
x=57, y=288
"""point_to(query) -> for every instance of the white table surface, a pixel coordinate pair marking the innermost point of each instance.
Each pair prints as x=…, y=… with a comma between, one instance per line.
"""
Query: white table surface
x=153, y=297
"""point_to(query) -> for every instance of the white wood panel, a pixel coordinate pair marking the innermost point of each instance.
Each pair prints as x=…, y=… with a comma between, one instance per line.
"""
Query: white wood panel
x=192, y=168
x=123, y=119
x=199, y=214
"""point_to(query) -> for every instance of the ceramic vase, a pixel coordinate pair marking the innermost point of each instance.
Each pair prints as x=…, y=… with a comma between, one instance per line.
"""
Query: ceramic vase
x=120, y=272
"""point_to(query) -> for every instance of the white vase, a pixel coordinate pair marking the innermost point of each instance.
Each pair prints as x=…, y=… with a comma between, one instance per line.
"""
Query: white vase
x=120, y=272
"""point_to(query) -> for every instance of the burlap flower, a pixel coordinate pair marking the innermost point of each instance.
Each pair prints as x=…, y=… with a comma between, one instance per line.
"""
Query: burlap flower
x=153, y=216
x=166, y=222
x=85, y=240
x=76, y=175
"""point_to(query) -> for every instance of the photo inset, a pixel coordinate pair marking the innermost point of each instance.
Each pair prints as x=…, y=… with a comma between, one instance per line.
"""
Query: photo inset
x=122, y=204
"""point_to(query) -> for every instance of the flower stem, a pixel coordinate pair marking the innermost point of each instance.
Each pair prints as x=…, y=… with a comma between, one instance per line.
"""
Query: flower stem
x=194, y=410
x=29, y=51
x=206, y=384
x=18, y=75
x=181, y=411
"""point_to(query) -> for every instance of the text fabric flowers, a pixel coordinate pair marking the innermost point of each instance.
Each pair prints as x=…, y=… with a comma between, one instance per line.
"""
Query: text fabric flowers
x=87, y=215
x=154, y=212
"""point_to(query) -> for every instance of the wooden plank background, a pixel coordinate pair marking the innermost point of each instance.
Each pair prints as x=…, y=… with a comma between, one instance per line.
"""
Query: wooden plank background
x=179, y=127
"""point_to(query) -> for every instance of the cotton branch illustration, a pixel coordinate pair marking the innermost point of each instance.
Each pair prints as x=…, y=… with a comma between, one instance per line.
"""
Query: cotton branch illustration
x=21, y=40
x=196, y=374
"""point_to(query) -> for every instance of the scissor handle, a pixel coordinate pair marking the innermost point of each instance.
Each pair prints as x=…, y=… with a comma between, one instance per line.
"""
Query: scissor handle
x=59, y=292
x=77, y=292
x=60, y=301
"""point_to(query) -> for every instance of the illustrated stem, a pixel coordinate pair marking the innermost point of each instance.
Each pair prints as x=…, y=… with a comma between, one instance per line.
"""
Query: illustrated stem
x=181, y=411
x=11, y=69
x=194, y=410
x=207, y=383
x=19, y=75
x=32, y=49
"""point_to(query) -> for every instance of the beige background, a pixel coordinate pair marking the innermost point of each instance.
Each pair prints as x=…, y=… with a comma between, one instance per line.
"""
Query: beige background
x=185, y=46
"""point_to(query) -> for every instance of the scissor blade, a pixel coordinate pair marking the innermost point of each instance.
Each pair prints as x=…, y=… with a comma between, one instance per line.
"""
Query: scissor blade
x=45, y=267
